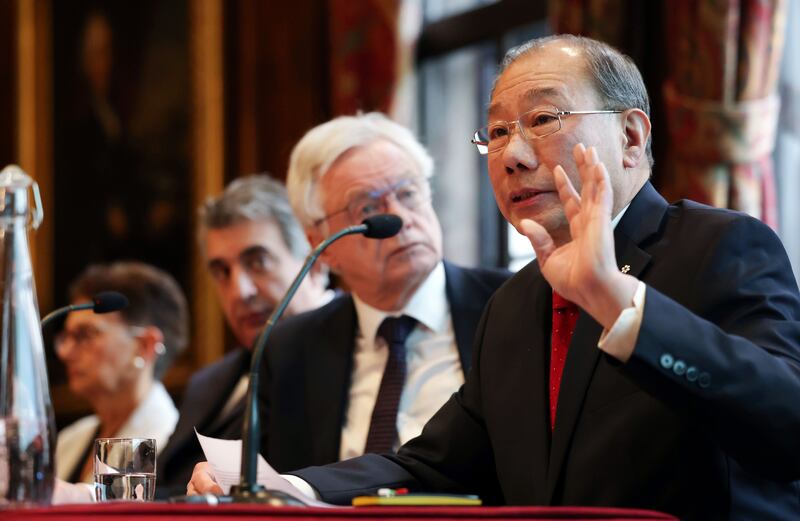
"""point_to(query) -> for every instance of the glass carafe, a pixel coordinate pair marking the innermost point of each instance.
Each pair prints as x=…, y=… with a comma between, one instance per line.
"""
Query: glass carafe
x=27, y=426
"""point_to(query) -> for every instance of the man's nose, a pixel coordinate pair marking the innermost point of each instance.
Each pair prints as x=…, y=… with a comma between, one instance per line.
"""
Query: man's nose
x=243, y=284
x=65, y=348
x=394, y=206
x=518, y=155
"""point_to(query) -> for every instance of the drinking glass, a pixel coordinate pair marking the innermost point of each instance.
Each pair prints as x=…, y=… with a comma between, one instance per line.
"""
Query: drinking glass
x=125, y=469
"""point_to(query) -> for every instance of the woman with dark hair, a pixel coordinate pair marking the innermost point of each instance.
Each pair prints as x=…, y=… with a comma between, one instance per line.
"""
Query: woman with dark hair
x=115, y=361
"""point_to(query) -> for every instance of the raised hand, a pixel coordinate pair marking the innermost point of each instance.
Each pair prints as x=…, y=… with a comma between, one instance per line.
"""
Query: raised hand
x=584, y=270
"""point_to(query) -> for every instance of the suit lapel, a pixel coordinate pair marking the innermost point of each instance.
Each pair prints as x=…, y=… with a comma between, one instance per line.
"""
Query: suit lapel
x=229, y=426
x=328, y=366
x=208, y=395
x=531, y=402
x=465, y=311
x=640, y=221
x=581, y=361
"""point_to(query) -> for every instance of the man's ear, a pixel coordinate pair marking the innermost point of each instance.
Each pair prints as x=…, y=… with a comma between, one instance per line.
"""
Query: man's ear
x=636, y=132
x=313, y=236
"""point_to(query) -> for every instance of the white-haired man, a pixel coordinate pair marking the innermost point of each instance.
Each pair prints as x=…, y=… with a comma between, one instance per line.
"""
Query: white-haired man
x=336, y=386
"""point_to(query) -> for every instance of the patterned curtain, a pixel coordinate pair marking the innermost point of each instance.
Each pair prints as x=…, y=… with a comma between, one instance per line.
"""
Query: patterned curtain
x=364, y=54
x=721, y=102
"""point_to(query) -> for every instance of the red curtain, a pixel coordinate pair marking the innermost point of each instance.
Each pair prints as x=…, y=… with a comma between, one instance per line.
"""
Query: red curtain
x=364, y=54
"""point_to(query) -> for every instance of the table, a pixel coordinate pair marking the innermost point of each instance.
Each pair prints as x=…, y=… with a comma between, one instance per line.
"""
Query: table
x=181, y=512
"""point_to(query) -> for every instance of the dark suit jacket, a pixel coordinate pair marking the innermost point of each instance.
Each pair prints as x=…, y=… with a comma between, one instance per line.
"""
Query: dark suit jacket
x=305, y=383
x=204, y=397
x=703, y=421
x=309, y=362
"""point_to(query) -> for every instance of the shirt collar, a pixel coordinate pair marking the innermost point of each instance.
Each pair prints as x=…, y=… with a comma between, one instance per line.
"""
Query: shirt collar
x=327, y=296
x=428, y=306
x=615, y=221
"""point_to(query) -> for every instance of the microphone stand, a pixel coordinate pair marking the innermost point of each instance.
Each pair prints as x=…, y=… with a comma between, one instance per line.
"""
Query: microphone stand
x=63, y=311
x=103, y=302
x=248, y=490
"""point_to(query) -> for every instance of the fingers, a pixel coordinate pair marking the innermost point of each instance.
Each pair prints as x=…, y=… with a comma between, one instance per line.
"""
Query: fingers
x=202, y=481
x=578, y=152
x=566, y=191
x=541, y=241
x=603, y=197
x=593, y=173
x=591, y=160
x=596, y=194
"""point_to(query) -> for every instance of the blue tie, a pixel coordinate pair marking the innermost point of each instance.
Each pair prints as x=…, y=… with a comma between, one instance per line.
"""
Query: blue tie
x=383, y=425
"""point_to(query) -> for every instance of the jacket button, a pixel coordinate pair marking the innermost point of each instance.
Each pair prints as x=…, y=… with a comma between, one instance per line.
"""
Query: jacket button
x=679, y=367
x=666, y=361
x=704, y=380
x=692, y=373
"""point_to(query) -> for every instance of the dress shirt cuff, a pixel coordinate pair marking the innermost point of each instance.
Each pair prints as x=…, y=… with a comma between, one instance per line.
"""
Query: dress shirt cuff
x=67, y=493
x=301, y=485
x=620, y=340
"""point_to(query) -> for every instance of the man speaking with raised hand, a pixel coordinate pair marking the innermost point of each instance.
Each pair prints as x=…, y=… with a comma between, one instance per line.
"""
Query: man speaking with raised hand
x=649, y=357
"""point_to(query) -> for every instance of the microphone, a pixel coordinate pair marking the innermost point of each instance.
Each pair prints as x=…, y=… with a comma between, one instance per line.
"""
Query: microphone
x=103, y=302
x=381, y=226
x=248, y=490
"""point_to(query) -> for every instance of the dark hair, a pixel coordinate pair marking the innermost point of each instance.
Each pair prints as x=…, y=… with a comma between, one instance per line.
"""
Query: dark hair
x=254, y=198
x=616, y=78
x=155, y=299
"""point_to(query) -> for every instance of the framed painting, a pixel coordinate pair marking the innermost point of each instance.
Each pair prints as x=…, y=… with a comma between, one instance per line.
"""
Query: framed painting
x=120, y=119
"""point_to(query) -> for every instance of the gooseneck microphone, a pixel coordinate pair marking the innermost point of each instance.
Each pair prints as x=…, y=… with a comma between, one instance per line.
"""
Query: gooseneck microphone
x=103, y=302
x=248, y=490
x=378, y=227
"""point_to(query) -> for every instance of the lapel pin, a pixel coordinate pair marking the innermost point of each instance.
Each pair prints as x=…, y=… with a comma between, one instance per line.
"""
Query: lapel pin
x=626, y=268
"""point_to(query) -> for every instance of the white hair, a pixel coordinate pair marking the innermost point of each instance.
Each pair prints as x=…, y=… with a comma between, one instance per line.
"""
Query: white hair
x=321, y=146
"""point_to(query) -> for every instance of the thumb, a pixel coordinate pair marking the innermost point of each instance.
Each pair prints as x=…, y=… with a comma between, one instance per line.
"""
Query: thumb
x=540, y=239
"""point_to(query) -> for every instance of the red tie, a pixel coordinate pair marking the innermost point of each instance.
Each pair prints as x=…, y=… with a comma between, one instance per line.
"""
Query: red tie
x=565, y=314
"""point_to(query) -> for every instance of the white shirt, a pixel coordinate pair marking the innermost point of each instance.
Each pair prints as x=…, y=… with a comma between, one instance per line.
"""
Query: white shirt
x=433, y=373
x=155, y=417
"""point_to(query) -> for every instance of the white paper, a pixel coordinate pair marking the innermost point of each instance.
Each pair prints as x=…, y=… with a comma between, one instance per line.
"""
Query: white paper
x=225, y=456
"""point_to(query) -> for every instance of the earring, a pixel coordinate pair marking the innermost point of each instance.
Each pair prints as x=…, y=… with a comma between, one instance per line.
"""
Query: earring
x=138, y=362
x=160, y=348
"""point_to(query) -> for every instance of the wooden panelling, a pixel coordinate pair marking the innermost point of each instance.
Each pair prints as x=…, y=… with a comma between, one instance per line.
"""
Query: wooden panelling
x=277, y=75
x=34, y=150
x=8, y=81
x=208, y=144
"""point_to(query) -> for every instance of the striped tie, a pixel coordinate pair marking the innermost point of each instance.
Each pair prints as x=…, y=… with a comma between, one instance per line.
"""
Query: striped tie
x=383, y=425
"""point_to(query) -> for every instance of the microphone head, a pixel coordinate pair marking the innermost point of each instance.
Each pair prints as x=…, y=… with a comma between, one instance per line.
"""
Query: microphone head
x=382, y=226
x=109, y=301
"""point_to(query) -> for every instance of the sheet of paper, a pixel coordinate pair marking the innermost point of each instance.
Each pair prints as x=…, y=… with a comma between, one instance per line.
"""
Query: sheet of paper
x=225, y=456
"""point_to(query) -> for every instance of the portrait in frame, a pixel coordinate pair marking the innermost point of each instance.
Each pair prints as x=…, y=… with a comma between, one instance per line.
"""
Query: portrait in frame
x=119, y=117
x=121, y=123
